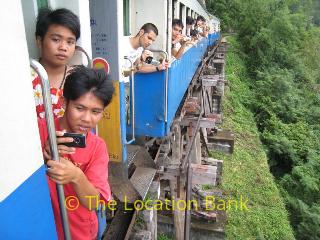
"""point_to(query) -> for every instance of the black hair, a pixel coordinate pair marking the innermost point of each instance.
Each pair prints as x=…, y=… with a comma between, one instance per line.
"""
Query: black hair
x=189, y=20
x=177, y=22
x=194, y=32
x=200, y=18
x=61, y=16
x=148, y=27
x=82, y=80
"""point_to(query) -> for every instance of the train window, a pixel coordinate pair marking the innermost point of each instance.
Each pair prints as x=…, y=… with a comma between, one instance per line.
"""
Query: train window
x=182, y=16
x=181, y=11
x=126, y=17
x=42, y=3
x=175, y=9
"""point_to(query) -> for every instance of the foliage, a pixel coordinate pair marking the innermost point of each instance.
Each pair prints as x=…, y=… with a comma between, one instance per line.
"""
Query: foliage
x=162, y=236
x=280, y=45
x=245, y=172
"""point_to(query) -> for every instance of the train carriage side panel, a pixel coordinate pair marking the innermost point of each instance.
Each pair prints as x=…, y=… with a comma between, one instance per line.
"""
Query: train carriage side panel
x=105, y=21
x=25, y=206
x=181, y=74
x=150, y=96
x=27, y=212
x=149, y=104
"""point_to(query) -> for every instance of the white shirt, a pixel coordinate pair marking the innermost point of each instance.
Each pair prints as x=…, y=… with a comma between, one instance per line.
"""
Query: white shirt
x=177, y=46
x=130, y=52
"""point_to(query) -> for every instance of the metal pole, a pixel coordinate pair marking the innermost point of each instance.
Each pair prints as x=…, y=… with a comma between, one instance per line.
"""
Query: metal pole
x=52, y=139
x=132, y=102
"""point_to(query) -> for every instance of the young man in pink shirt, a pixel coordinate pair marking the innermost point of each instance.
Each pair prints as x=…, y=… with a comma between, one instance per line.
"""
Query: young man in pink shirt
x=83, y=171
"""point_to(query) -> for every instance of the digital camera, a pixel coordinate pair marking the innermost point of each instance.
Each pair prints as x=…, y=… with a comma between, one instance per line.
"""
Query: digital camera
x=148, y=59
x=79, y=140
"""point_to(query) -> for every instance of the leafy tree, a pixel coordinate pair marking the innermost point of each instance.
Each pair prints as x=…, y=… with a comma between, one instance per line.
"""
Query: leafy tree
x=281, y=48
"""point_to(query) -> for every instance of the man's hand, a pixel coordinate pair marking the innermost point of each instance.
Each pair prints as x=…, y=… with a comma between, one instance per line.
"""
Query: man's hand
x=177, y=39
x=186, y=41
x=145, y=54
x=63, y=172
x=62, y=149
x=164, y=65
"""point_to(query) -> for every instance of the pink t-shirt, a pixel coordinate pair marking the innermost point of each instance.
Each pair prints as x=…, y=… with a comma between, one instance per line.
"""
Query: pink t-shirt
x=93, y=161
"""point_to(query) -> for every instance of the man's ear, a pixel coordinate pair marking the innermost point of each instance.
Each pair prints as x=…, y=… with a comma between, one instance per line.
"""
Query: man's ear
x=39, y=42
x=141, y=32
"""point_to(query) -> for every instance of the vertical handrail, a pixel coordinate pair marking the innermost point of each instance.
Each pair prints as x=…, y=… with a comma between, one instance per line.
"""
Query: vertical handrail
x=52, y=139
x=132, y=102
x=166, y=85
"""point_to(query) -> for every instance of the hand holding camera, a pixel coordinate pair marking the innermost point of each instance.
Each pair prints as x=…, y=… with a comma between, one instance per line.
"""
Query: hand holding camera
x=163, y=65
x=186, y=40
x=147, y=56
x=67, y=144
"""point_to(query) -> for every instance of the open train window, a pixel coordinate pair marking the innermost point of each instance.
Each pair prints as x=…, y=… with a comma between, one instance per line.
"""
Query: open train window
x=174, y=9
x=30, y=11
x=181, y=11
x=42, y=3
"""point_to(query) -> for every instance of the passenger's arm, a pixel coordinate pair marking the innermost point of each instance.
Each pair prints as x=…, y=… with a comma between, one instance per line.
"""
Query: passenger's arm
x=178, y=53
x=148, y=68
x=64, y=172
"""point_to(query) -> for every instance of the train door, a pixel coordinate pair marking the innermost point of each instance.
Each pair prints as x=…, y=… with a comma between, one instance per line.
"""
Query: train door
x=25, y=205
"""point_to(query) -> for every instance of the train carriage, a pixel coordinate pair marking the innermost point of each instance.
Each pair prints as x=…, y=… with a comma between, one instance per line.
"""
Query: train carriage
x=155, y=100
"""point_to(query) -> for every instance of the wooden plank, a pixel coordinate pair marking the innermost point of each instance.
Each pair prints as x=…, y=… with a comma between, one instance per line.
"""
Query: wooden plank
x=218, y=61
x=204, y=122
x=203, y=174
x=178, y=215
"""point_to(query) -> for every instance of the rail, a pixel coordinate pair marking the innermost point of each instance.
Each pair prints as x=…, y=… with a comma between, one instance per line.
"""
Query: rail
x=132, y=102
x=52, y=139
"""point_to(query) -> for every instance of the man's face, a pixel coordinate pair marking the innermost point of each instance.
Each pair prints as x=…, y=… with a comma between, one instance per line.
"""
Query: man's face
x=146, y=39
x=200, y=23
x=83, y=113
x=57, y=46
x=176, y=31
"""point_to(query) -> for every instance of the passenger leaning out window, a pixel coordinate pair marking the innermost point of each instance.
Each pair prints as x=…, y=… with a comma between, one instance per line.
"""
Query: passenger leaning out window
x=179, y=41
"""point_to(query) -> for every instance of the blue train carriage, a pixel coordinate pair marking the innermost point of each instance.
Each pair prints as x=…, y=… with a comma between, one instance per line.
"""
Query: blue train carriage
x=155, y=97
x=25, y=205
x=158, y=95
x=23, y=180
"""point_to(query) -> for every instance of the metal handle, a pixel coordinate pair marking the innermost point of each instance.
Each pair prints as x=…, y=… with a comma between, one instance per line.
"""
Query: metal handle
x=166, y=85
x=52, y=139
x=132, y=102
x=80, y=49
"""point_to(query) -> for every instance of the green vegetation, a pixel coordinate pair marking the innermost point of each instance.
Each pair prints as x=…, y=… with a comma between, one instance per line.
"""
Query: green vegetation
x=245, y=172
x=275, y=83
x=205, y=187
x=162, y=236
